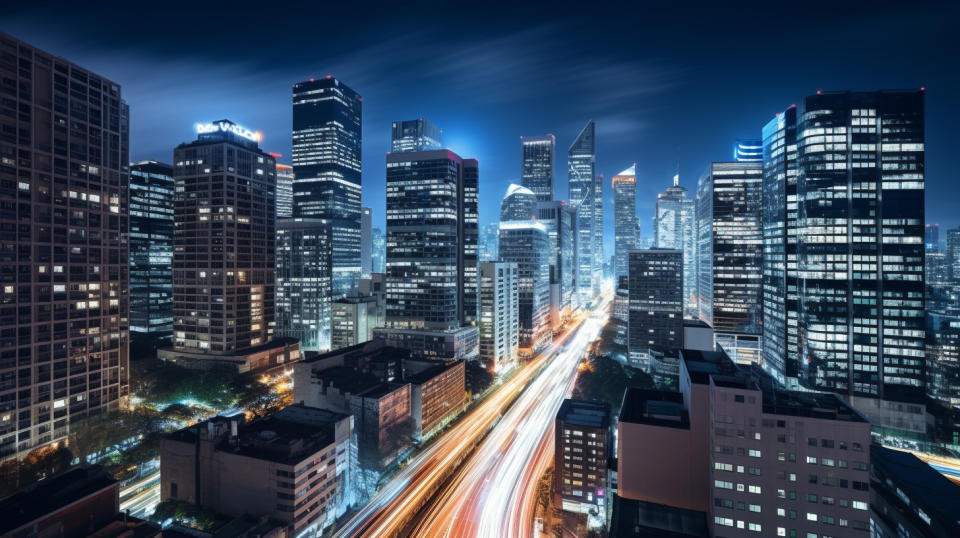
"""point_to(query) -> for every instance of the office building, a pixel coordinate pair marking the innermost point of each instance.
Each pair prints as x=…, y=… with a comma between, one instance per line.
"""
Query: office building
x=758, y=460
x=861, y=251
x=953, y=254
x=527, y=244
x=560, y=221
x=942, y=353
x=584, y=185
x=674, y=228
x=284, y=196
x=378, y=251
x=489, y=242
x=908, y=497
x=931, y=237
x=519, y=203
x=621, y=314
x=352, y=320
x=151, y=248
x=437, y=393
x=536, y=171
x=326, y=164
x=224, y=269
x=625, y=218
x=581, y=449
x=376, y=287
x=499, y=315
x=290, y=466
x=730, y=256
x=366, y=242
x=54, y=187
x=432, y=233
x=415, y=135
x=304, y=280
x=655, y=317
x=780, y=345
x=748, y=150
x=936, y=270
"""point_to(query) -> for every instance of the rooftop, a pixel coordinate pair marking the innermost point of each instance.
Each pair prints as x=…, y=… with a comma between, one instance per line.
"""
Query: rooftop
x=702, y=364
x=584, y=413
x=53, y=494
x=430, y=372
x=639, y=518
x=654, y=407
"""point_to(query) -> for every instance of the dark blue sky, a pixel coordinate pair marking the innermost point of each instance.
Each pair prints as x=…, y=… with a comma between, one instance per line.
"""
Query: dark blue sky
x=667, y=85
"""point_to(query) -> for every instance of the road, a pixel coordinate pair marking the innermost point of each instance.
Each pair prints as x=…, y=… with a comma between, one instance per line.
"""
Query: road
x=433, y=471
x=142, y=495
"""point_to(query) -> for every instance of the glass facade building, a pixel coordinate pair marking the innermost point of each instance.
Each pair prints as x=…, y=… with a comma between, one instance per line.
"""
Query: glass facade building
x=625, y=219
x=489, y=242
x=860, y=190
x=284, y=191
x=584, y=185
x=304, y=280
x=674, y=217
x=730, y=256
x=519, y=203
x=748, y=150
x=536, y=171
x=931, y=237
x=366, y=242
x=151, y=248
x=326, y=164
x=560, y=221
x=655, y=315
x=415, y=135
x=378, y=251
x=527, y=244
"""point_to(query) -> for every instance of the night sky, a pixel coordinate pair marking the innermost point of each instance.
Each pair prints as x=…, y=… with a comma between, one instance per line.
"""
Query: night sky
x=668, y=86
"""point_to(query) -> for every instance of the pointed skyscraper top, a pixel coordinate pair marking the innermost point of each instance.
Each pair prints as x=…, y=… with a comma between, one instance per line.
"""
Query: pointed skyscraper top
x=583, y=144
x=632, y=171
x=676, y=180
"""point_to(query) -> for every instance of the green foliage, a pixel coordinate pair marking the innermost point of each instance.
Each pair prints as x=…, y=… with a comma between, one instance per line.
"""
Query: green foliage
x=605, y=379
x=159, y=383
x=184, y=513
x=259, y=398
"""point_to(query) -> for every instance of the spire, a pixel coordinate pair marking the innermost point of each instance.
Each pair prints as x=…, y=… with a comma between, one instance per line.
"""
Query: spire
x=676, y=180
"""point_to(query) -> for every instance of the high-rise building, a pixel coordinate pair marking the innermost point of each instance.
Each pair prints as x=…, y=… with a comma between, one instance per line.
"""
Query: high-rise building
x=431, y=247
x=674, y=217
x=655, y=318
x=519, y=203
x=64, y=193
x=860, y=190
x=526, y=243
x=730, y=256
x=224, y=268
x=581, y=180
x=284, y=190
x=304, y=280
x=953, y=255
x=581, y=452
x=352, y=320
x=625, y=219
x=415, y=135
x=378, y=251
x=780, y=341
x=366, y=242
x=748, y=150
x=151, y=248
x=536, y=171
x=560, y=221
x=931, y=237
x=499, y=314
x=489, y=242
x=326, y=165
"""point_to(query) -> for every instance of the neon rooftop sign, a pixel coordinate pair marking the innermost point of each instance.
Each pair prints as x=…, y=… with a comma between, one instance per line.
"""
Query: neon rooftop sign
x=226, y=126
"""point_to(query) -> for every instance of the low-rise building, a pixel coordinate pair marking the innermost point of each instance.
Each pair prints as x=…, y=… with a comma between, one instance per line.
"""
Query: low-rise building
x=437, y=393
x=289, y=467
x=352, y=320
x=581, y=450
x=461, y=343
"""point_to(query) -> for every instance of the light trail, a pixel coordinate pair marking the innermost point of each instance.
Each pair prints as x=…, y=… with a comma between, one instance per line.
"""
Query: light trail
x=433, y=472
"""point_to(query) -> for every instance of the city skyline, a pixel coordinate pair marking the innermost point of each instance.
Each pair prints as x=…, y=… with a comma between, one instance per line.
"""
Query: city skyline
x=654, y=117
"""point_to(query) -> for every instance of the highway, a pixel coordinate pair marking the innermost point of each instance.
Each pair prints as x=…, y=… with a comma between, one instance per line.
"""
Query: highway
x=457, y=488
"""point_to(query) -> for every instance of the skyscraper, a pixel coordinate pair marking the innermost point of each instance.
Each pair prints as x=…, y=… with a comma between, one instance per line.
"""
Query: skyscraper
x=730, y=256
x=432, y=252
x=560, y=221
x=931, y=236
x=64, y=191
x=519, y=203
x=366, y=242
x=674, y=216
x=537, y=166
x=625, y=219
x=415, y=135
x=304, y=281
x=748, y=150
x=780, y=342
x=526, y=243
x=655, y=317
x=581, y=179
x=326, y=165
x=860, y=189
x=953, y=255
x=284, y=190
x=489, y=239
x=379, y=251
x=151, y=248
x=499, y=324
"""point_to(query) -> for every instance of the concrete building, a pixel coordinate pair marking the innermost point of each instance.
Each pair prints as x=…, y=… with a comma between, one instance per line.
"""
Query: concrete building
x=437, y=393
x=581, y=450
x=527, y=244
x=151, y=248
x=758, y=460
x=376, y=286
x=536, y=171
x=66, y=220
x=499, y=327
x=625, y=219
x=352, y=320
x=655, y=318
x=290, y=466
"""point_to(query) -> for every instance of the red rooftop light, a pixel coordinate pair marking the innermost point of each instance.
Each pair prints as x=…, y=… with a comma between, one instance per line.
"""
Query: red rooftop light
x=329, y=77
x=819, y=92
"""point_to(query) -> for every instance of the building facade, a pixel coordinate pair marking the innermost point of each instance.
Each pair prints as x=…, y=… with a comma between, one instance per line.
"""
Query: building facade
x=748, y=150
x=489, y=242
x=655, y=318
x=625, y=219
x=366, y=242
x=352, y=320
x=560, y=221
x=304, y=280
x=527, y=244
x=536, y=171
x=674, y=228
x=415, y=135
x=583, y=185
x=581, y=450
x=65, y=217
x=519, y=203
x=499, y=314
x=284, y=191
x=151, y=248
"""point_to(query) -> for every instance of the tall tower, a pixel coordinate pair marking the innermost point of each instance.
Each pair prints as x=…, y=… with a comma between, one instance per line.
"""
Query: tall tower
x=625, y=219
x=674, y=218
x=151, y=248
x=537, y=166
x=581, y=175
x=326, y=166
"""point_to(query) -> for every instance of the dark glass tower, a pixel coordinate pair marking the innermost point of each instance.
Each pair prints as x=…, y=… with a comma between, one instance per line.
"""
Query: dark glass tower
x=780, y=346
x=415, y=135
x=537, y=167
x=581, y=176
x=860, y=190
x=151, y=248
x=655, y=318
x=326, y=167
